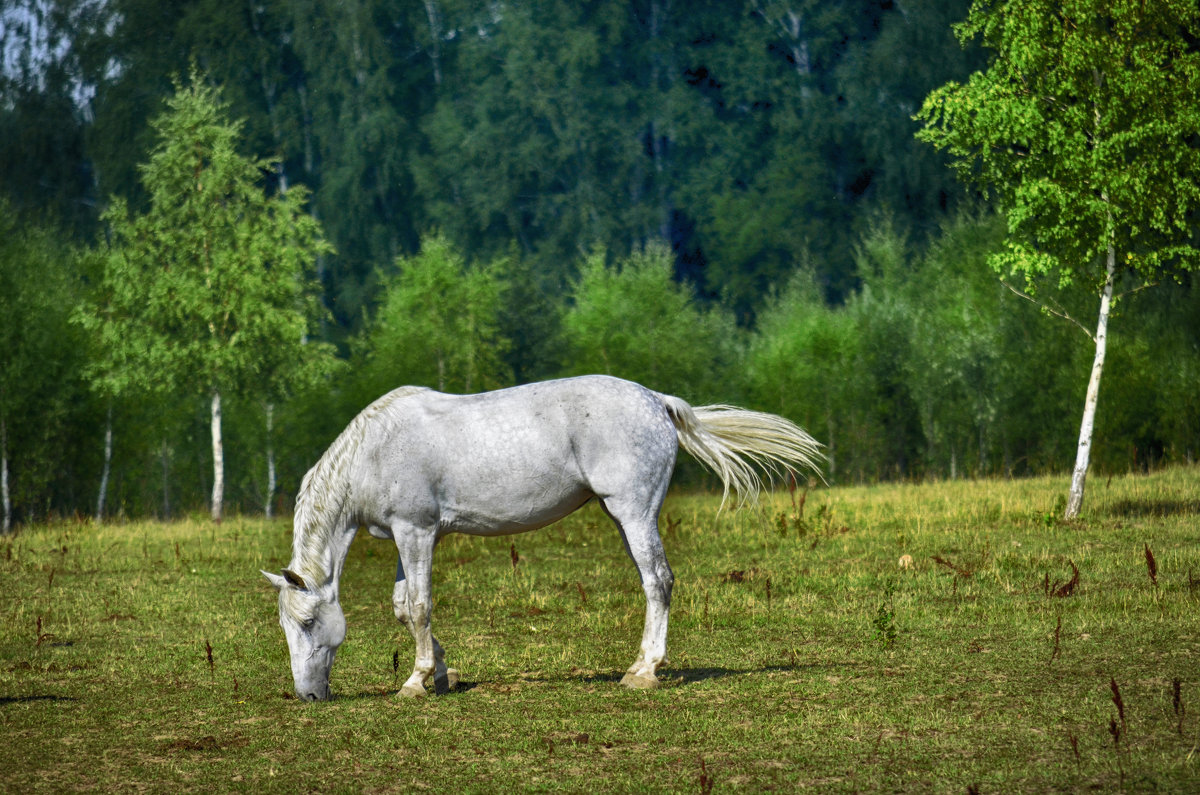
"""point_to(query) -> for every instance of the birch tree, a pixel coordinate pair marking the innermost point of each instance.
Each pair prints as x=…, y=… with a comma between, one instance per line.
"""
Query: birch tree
x=207, y=291
x=1086, y=126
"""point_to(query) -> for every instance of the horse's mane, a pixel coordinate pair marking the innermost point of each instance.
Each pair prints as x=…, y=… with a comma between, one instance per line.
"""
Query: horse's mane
x=321, y=504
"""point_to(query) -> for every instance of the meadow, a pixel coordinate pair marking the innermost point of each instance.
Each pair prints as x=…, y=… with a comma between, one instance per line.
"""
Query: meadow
x=1015, y=652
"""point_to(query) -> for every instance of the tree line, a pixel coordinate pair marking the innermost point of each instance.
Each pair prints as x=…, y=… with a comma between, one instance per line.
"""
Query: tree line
x=730, y=206
x=932, y=369
x=740, y=134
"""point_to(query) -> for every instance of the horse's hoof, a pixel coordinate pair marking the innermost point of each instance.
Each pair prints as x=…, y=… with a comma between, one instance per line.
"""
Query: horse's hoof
x=638, y=682
x=412, y=691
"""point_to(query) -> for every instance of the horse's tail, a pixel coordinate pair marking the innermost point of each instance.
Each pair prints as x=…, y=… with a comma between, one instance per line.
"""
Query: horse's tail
x=735, y=443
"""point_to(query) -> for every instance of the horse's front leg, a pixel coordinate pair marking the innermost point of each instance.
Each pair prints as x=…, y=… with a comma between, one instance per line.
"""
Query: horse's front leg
x=444, y=679
x=412, y=602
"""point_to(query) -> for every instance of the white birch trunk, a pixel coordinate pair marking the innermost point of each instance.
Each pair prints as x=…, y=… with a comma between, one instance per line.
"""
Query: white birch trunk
x=218, y=492
x=435, y=38
x=268, y=509
x=1079, y=476
x=4, y=495
x=108, y=441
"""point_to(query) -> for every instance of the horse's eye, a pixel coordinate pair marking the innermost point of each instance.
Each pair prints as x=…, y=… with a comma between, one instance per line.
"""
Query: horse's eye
x=308, y=622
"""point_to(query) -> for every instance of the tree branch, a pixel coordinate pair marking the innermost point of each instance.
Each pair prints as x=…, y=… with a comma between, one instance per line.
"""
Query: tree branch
x=1057, y=312
x=1146, y=286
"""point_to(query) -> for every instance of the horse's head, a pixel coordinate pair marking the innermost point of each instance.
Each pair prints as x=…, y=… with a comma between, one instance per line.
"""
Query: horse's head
x=313, y=622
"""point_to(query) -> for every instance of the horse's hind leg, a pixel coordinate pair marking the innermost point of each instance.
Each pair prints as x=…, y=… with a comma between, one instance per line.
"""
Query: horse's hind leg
x=639, y=529
x=412, y=602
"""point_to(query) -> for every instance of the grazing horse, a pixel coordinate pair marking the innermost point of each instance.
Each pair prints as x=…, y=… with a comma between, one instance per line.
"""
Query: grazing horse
x=418, y=464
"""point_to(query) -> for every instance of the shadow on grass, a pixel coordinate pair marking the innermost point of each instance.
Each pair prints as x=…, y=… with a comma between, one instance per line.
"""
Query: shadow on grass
x=1137, y=509
x=687, y=676
x=393, y=692
x=690, y=675
x=669, y=677
x=25, y=699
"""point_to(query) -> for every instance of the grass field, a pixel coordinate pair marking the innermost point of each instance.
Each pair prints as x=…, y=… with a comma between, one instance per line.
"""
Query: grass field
x=1016, y=653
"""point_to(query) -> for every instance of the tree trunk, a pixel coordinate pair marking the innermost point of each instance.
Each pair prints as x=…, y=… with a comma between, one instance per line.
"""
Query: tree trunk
x=4, y=495
x=435, y=39
x=1078, y=477
x=165, y=457
x=218, y=492
x=108, y=439
x=269, y=508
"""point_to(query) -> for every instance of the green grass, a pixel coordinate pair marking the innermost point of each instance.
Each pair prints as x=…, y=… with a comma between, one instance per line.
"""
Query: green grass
x=802, y=655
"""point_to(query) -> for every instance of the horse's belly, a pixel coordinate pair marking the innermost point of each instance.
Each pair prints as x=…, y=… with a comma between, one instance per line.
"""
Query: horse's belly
x=513, y=505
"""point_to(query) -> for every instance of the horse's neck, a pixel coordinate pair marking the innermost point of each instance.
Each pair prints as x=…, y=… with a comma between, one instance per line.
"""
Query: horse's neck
x=319, y=553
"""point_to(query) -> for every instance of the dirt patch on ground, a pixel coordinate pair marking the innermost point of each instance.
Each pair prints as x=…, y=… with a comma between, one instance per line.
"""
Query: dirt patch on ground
x=206, y=743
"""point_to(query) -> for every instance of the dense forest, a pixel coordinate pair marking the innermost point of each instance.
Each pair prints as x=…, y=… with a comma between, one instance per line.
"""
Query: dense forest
x=721, y=200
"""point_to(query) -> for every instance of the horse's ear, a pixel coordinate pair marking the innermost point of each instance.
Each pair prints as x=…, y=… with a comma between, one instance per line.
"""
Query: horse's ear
x=289, y=579
x=295, y=580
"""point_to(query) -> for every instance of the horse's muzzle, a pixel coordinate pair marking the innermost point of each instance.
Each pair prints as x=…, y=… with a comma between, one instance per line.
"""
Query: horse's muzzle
x=311, y=695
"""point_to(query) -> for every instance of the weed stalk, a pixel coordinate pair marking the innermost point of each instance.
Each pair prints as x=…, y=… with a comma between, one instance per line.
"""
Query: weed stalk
x=1177, y=703
x=1120, y=705
x=1054, y=655
x=1063, y=590
x=706, y=781
x=42, y=637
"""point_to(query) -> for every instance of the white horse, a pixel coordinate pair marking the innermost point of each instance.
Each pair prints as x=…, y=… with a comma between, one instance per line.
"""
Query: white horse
x=418, y=464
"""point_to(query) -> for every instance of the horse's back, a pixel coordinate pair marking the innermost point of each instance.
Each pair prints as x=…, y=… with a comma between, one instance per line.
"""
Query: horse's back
x=514, y=459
